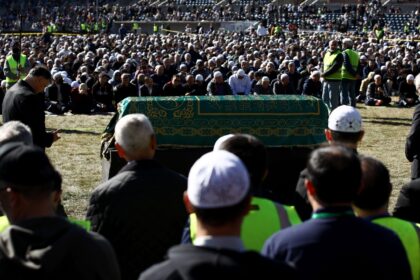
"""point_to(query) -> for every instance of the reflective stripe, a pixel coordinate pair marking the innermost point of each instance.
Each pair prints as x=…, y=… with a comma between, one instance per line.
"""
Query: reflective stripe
x=354, y=61
x=14, y=66
x=407, y=232
x=261, y=222
x=329, y=59
x=4, y=223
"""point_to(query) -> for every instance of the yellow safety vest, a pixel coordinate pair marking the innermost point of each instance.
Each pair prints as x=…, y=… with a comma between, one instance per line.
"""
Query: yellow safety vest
x=329, y=59
x=14, y=66
x=4, y=223
x=83, y=26
x=155, y=28
x=259, y=224
x=354, y=61
x=407, y=232
x=49, y=28
x=379, y=34
x=135, y=26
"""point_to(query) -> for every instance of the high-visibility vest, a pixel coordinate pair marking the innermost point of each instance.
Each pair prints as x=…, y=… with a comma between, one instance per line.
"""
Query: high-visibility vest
x=354, y=61
x=277, y=30
x=85, y=224
x=135, y=26
x=406, y=28
x=96, y=27
x=329, y=59
x=407, y=232
x=260, y=223
x=83, y=26
x=13, y=65
x=49, y=29
x=104, y=25
x=155, y=28
x=379, y=33
x=4, y=223
x=54, y=27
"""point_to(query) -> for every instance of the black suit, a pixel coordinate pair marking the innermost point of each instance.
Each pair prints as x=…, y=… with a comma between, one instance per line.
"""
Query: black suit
x=412, y=144
x=21, y=103
x=156, y=91
x=141, y=212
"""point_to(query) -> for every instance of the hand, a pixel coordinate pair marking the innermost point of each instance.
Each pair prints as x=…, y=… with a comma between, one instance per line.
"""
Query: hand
x=55, y=134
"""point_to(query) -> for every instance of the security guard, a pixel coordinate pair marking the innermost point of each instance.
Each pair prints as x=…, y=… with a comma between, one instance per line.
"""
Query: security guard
x=83, y=28
x=372, y=203
x=155, y=28
x=333, y=61
x=349, y=73
x=16, y=66
x=135, y=27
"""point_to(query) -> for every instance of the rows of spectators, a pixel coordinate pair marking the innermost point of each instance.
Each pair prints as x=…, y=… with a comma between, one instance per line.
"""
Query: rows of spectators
x=68, y=16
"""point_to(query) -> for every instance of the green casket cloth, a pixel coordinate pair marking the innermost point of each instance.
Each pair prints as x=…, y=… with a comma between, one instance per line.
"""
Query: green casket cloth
x=198, y=121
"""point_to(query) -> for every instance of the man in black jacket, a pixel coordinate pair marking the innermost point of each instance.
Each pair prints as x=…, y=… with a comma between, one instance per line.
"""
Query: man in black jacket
x=219, y=196
x=412, y=150
x=25, y=102
x=39, y=244
x=140, y=210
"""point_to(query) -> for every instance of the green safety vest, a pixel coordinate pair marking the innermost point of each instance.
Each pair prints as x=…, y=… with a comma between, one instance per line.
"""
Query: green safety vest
x=14, y=66
x=259, y=224
x=379, y=33
x=104, y=25
x=407, y=232
x=54, y=28
x=354, y=61
x=329, y=59
x=155, y=28
x=277, y=29
x=86, y=225
x=96, y=27
x=135, y=26
x=406, y=28
x=83, y=26
x=49, y=28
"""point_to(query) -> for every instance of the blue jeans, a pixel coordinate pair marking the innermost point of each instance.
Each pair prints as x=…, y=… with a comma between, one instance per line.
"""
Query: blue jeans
x=348, y=92
x=331, y=93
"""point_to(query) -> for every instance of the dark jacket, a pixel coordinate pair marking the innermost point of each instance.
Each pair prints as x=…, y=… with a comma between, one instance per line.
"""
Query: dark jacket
x=52, y=248
x=408, y=202
x=313, y=88
x=340, y=246
x=141, y=212
x=21, y=103
x=156, y=91
x=412, y=144
x=122, y=92
x=279, y=88
x=189, y=262
x=219, y=89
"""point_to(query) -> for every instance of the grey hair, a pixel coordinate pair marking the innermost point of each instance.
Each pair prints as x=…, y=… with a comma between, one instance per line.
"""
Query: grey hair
x=15, y=131
x=347, y=42
x=133, y=133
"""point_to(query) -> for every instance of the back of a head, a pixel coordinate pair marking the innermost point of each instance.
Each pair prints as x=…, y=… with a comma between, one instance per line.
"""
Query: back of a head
x=253, y=154
x=15, y=131
x=376, y=185
x=218, y=188
x=133, y=133
x=335, y=173
x=345, y=124
x=40, y=71
x=27, y=169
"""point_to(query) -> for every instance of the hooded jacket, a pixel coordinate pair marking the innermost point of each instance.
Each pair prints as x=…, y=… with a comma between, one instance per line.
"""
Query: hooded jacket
x=52, y=248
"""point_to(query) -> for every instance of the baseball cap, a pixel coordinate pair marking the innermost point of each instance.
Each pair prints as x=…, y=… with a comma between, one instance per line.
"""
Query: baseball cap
x=26, y=166
x=216, y=180
x=345, y=119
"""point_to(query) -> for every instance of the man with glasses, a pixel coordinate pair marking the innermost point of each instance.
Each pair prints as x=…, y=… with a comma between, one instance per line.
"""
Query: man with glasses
x=24, y=102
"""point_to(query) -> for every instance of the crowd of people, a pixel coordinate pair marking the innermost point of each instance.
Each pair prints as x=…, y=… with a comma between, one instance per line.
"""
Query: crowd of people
x=338, y=227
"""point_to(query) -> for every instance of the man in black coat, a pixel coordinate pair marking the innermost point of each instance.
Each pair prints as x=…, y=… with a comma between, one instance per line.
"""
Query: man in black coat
x=412, y=144
x=219, y=196
x=25, y=102
x=140, y=210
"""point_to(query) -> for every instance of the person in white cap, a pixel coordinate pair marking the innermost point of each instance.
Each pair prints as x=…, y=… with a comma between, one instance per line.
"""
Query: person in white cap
x=240, y=83
x=219, y=195
x=217, y=86
x=345, y=127
x=407, y=92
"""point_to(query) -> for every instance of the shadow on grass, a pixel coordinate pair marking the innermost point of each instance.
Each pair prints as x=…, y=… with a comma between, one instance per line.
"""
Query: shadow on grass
x=390, y=119
x=385, y=122
x=74, y=131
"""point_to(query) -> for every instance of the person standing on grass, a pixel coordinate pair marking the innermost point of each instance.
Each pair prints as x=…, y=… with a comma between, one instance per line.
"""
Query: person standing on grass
x=219, y=195
x=334, y=243
x=372, y=203
x=24, y=102
x=140, y=210
x=333, y=61
x=39, y=244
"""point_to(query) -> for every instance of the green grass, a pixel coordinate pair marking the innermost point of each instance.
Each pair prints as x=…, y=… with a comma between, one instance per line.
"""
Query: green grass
x=76, y=154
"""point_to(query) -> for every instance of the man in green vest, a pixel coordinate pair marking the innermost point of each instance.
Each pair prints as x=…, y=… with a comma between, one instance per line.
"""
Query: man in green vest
x=379, y=32
x=16, y=66
x=265, y=216
x=372, y=203
x=155, y=28
x=407, y=28
x=83, y=28
x=135, y=28
x=350, y=73
x=333, y=61
x=96, y=27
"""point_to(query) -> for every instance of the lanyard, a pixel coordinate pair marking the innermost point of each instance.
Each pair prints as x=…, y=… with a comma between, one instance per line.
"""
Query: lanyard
x=332, y=215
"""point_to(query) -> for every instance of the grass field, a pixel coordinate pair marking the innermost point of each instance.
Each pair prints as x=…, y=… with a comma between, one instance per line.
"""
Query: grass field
x=76, y=155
